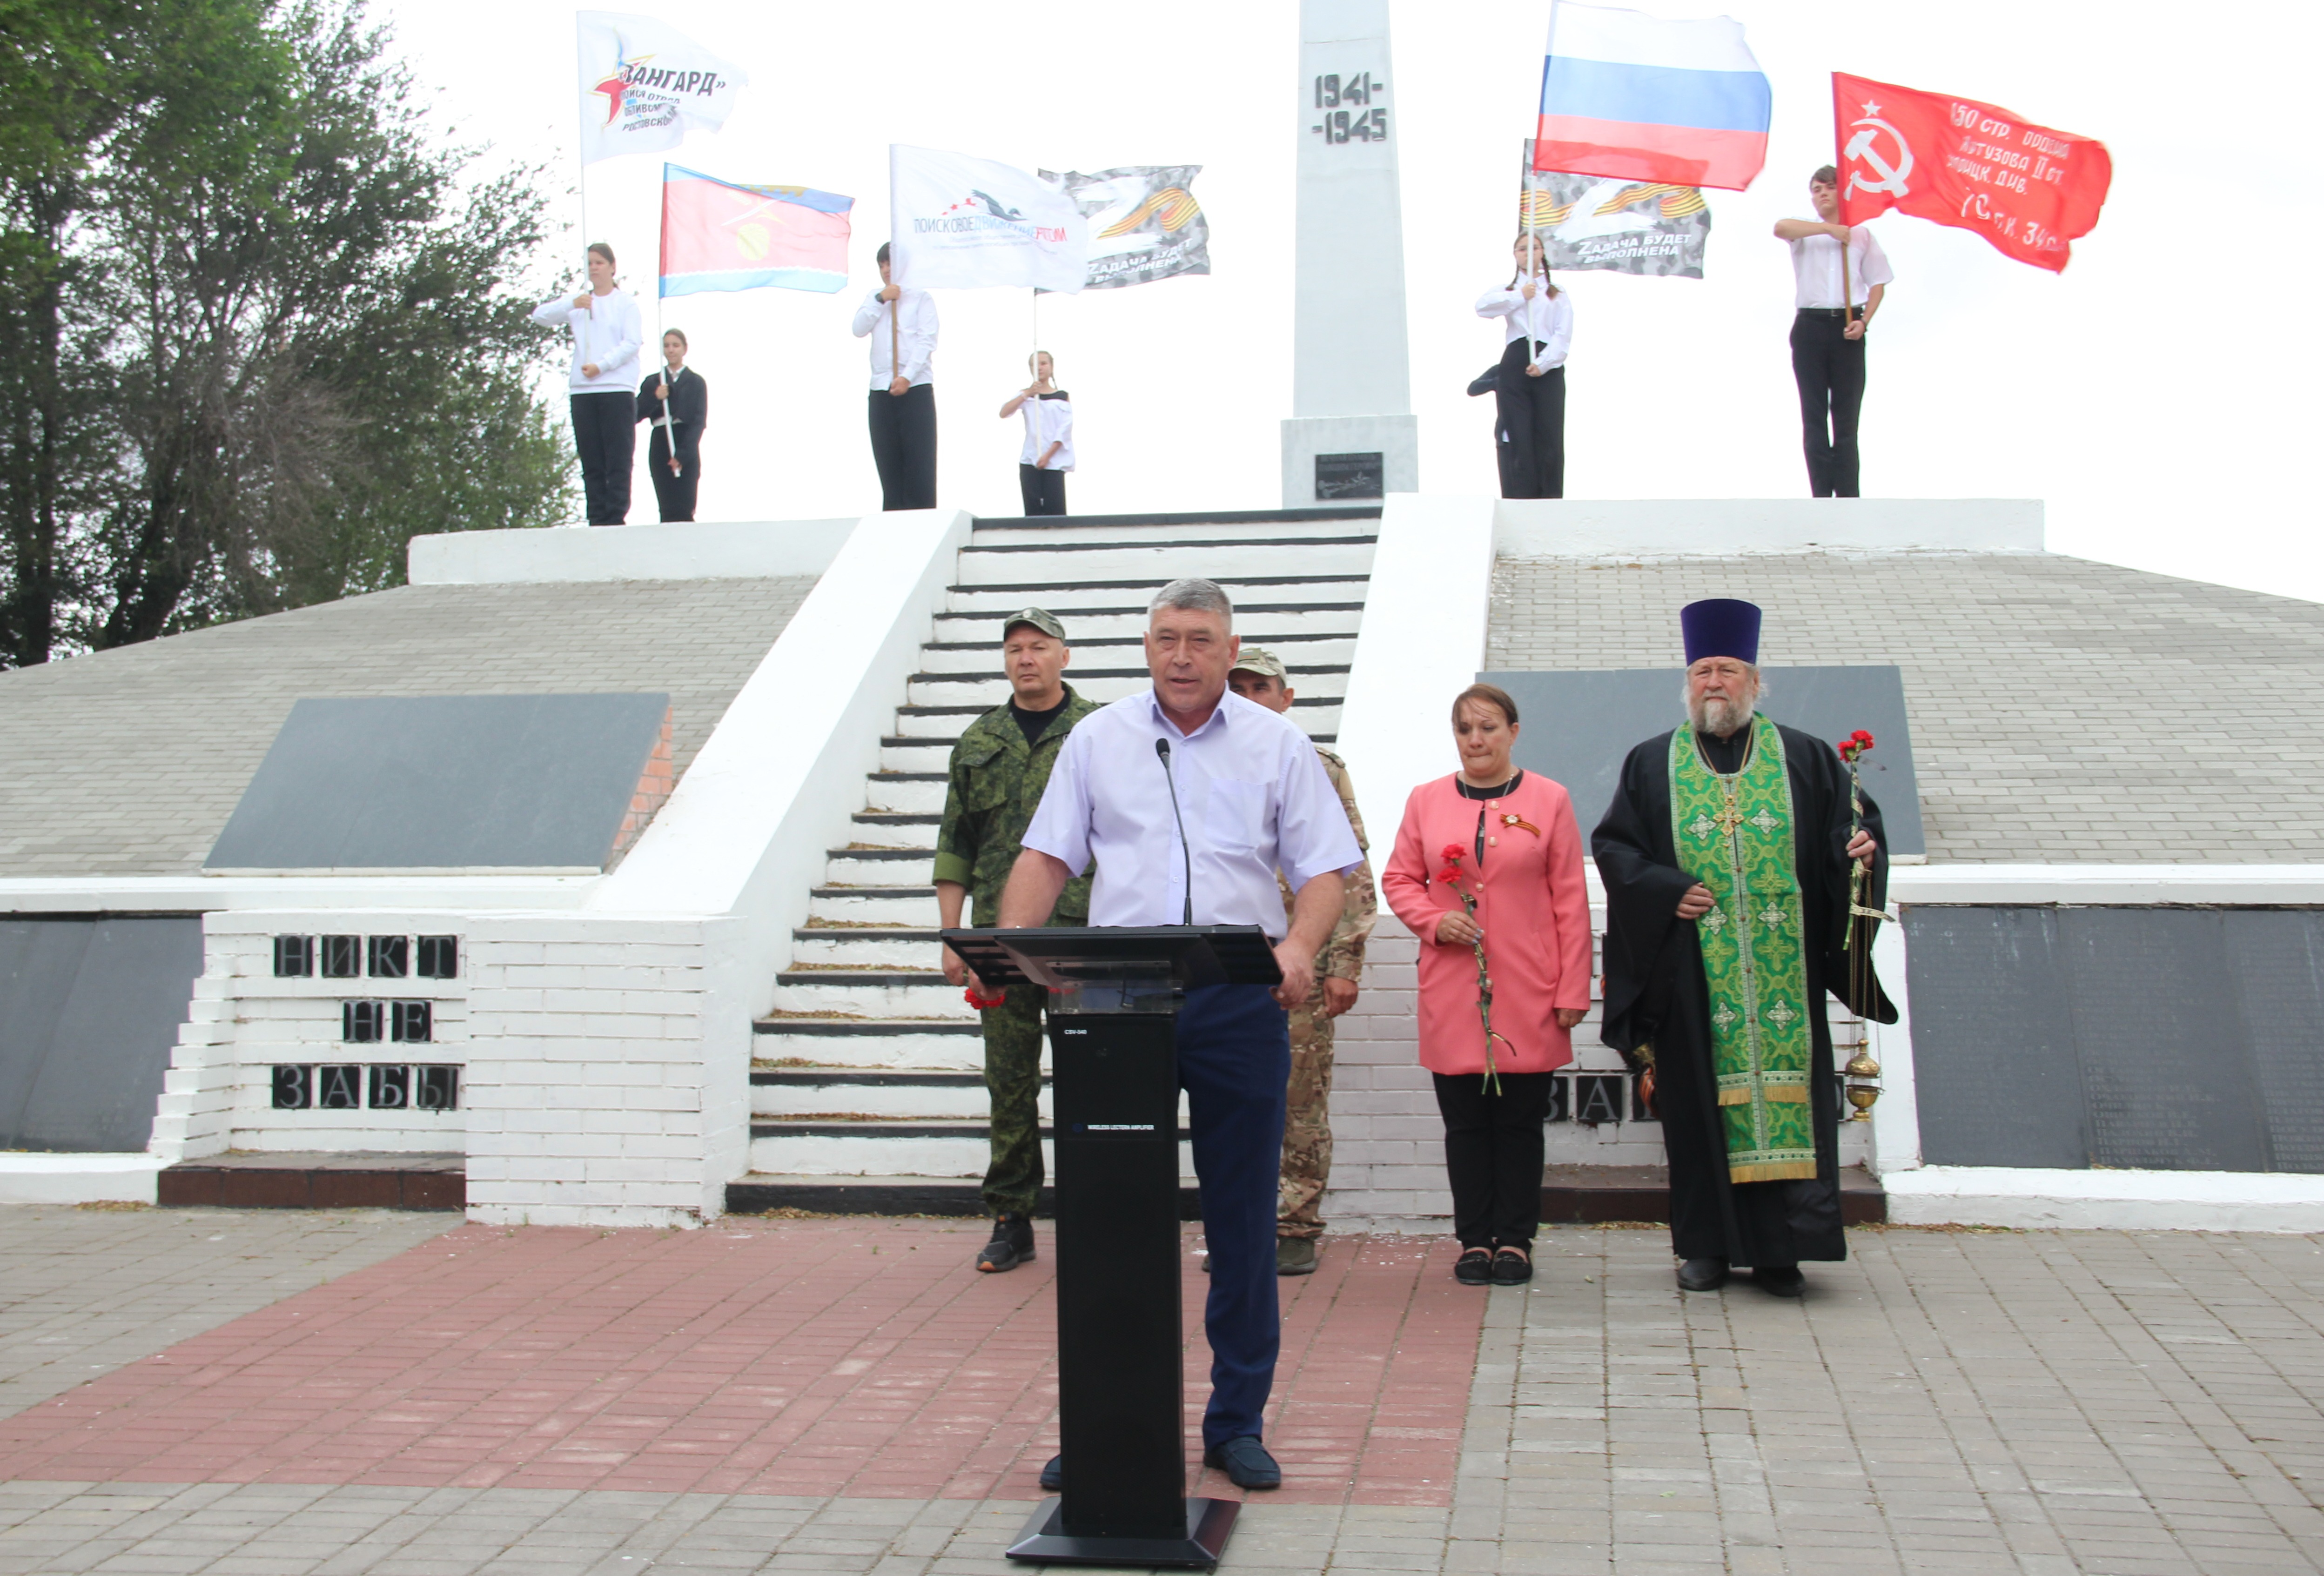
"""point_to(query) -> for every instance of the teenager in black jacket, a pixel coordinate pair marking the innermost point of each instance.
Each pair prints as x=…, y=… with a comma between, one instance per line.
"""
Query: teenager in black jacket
x=676, y=393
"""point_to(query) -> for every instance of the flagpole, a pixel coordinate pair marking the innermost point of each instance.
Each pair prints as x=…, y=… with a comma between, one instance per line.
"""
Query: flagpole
x=1533, y=261
x=581, y=189
x=1847, y=291
x=669, y=426
x=1839, y=208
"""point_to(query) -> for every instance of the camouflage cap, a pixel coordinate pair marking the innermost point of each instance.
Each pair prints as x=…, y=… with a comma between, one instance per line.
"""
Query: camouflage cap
x=1040, y=617
x=1267, y=663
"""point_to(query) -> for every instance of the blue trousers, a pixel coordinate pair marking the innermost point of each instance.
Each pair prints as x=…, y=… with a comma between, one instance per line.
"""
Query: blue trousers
x=1234, y=1062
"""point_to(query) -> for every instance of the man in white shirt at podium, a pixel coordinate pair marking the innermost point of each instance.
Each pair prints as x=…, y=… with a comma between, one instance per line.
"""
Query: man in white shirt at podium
x=1251, y=798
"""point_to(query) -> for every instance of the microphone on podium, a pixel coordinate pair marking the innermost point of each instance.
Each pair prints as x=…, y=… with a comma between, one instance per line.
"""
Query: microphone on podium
x=1162, y=749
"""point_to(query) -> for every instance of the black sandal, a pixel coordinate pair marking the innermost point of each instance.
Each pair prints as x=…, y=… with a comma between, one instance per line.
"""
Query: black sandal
x=1511, y=1267
x=1474, y=1268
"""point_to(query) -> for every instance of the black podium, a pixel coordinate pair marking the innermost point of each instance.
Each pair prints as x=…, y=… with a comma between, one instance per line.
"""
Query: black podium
x=1115, y=993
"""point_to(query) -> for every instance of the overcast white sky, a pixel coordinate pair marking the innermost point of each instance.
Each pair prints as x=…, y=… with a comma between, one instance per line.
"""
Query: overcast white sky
x=2159, y=395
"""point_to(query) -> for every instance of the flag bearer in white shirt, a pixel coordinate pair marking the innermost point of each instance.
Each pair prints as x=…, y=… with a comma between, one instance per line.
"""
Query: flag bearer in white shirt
x=1827, y=333
x=607, y=333
x=1048, y=452
x=1253, y=799
x=902, y=326
x=1529, y=390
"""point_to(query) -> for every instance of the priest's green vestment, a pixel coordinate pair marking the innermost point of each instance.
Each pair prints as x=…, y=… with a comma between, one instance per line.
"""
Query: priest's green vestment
x=1729, y=1009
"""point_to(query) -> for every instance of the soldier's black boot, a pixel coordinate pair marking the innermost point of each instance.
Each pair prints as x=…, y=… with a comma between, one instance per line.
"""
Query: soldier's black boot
x=1011, y=1244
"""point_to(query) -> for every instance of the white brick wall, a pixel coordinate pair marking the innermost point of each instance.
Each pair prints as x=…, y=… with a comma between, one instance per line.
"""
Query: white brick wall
x=1387, y=1142
x=609, y=1068
x=218, y=1094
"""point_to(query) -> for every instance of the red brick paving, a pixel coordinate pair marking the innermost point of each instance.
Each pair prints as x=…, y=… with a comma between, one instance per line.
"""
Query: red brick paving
x=816, y=1357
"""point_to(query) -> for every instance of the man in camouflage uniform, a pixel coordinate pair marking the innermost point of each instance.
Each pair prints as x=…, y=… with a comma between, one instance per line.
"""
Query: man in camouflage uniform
x=1258, y=676
x=999, y=768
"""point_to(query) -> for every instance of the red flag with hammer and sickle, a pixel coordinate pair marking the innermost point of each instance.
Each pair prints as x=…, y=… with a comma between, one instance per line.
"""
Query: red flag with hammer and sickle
x=2027, y=190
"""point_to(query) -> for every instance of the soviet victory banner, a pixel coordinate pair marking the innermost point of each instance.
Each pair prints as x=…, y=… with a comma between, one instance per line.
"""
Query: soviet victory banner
x=2029, y=191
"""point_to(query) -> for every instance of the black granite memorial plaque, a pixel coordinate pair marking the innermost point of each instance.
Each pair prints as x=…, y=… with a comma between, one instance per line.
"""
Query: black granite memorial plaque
x=2177, y=1039
x=1993, y=1043
x=2277, y=959
x=88, y=1016
x=2166, y=1076
x=1580, y=725
x=1340, y=476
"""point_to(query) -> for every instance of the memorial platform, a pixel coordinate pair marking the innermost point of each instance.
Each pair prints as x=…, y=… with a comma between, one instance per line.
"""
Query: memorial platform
x=725, y=996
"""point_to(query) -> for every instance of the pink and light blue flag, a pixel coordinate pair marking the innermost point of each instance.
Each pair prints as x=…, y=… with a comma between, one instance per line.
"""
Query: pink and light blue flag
x=1635, y=97
x=723, y=235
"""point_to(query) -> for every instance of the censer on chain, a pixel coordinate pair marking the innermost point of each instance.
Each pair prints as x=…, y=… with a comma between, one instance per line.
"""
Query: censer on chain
x=1862, y=1071
x=1862, y=1090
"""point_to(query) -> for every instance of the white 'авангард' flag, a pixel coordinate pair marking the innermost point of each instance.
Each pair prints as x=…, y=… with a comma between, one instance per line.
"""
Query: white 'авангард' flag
x=961, y=222
x=644, y=86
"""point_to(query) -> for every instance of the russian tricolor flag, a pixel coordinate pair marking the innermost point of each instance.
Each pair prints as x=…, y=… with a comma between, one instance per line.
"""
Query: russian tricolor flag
x=1627, y=95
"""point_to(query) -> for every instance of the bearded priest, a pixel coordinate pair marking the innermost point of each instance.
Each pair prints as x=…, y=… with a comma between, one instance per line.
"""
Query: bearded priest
x=1726, y=855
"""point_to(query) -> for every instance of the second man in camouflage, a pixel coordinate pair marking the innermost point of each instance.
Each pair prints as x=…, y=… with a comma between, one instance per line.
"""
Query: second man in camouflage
x=1259, y=676
x=999, y=768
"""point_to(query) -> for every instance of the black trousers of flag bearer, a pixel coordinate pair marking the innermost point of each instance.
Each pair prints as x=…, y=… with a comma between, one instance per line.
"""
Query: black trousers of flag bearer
x=1838, y=277
x=1529, y=390
x=901, y=325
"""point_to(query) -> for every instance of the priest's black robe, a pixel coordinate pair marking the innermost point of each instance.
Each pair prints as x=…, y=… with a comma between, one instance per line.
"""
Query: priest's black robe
x=1656, y=995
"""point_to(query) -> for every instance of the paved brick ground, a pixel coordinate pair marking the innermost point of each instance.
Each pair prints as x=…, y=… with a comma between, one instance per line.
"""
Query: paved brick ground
x=853, y=1358
x=2050, y=1403
x=84, y=1291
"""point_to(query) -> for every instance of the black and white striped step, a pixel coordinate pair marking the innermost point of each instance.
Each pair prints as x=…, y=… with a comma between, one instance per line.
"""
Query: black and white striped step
x=1299, y=648
x=1319, y=715
x=1157, y=563
x=1280, y=618
x=1294, y=525
x=955, y=1045
x=986, y=690
x=1062, y=595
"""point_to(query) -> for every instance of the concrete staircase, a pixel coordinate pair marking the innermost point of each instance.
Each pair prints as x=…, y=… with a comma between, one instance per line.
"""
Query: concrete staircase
x=867, y=1086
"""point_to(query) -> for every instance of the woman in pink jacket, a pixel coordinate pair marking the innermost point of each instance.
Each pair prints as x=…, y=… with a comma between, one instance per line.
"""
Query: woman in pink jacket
x=1519, y=856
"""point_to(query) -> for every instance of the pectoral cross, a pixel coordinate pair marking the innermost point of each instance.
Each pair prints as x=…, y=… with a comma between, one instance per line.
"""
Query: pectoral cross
x=1730, y=815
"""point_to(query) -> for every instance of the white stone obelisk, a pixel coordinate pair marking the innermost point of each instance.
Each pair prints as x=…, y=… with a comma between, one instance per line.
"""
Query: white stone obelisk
x=1352, y=433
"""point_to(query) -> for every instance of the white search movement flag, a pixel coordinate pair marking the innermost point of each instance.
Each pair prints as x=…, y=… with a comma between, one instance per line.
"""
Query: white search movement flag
x=644, y=86
x=961, y=222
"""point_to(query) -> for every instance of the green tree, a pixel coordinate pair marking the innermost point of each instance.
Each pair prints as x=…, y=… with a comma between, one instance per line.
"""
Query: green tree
x=289, y=326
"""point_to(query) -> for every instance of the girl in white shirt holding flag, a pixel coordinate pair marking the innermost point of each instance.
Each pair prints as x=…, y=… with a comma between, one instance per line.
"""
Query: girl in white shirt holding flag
x=1529, y=393
x=1048, y=452
x=607, y=333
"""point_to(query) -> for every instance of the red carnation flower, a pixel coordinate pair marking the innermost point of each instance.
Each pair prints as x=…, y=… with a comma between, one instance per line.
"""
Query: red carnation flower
x=1452, y=854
